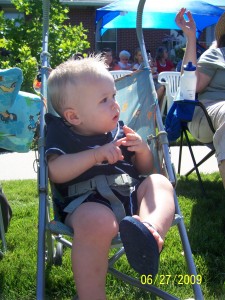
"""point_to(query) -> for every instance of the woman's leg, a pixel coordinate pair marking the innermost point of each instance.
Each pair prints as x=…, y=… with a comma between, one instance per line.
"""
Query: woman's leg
x=94, y=227
x=199, y=128
x=219, y=144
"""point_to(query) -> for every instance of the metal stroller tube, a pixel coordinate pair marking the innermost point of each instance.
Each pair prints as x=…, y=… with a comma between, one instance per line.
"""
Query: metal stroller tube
x=165, y=148
x=42, y=176
x=139, y=31
x=140, y=37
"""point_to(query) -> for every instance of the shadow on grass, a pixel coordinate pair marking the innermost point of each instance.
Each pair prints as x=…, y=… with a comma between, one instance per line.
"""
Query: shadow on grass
x=207, y=228
x=2, y=280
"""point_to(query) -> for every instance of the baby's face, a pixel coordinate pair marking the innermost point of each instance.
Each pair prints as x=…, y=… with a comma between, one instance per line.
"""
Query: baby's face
x=97, y=108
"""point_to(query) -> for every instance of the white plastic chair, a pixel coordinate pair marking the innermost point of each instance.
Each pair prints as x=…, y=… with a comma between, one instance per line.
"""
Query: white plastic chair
x=171, y=81
x=120, y=73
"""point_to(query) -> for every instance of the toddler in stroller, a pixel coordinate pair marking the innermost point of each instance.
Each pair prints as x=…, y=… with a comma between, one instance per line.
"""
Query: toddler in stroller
x=95, y=163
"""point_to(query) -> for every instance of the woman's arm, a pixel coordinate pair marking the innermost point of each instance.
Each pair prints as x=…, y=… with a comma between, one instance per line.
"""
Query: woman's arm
x=189, y=29
x=203, y=81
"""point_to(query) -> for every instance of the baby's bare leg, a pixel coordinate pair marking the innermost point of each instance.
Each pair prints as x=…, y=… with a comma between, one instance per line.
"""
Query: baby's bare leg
x=156, y=205
x=94, y=226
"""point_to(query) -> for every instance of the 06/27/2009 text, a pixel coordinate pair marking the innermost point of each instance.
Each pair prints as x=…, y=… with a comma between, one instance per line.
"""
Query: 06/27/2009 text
x=171, y=279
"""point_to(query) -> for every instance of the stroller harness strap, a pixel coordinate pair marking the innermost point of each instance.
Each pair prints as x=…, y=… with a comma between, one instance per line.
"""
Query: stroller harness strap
x=104, y=184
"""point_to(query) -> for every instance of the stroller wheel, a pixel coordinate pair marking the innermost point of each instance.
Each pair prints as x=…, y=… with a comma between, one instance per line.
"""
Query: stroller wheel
x=58, y=254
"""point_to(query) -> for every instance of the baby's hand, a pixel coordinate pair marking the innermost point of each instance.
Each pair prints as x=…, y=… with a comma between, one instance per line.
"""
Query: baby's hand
x=109, y=152
x=133, y=141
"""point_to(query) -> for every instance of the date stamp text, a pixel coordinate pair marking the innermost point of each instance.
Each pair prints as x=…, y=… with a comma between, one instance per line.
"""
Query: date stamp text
x=171, y=279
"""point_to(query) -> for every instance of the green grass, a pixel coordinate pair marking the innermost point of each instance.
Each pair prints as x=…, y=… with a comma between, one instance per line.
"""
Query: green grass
x=193, y=141
x=205, y=223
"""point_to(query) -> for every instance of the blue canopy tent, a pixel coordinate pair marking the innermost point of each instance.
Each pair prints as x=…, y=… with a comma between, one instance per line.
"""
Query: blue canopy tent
x=158, y=14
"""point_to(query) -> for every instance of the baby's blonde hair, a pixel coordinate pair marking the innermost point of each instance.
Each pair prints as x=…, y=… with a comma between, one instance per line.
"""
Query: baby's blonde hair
x=73, y=72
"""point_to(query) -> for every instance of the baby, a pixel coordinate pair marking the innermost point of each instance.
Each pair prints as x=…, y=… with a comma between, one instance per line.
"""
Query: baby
x=86, y=142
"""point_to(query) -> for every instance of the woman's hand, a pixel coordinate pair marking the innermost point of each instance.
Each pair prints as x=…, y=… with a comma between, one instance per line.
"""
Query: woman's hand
x=187, y=26
x=189, y=29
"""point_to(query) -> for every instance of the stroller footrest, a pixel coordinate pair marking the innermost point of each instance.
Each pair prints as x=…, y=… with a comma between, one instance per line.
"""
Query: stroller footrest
x=58, y=227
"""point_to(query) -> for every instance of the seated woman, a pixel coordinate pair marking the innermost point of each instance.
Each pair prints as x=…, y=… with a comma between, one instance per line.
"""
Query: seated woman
x=108, y=56
x=210, y=87
x=138, y=60
x=162, y=62
x=123, y=63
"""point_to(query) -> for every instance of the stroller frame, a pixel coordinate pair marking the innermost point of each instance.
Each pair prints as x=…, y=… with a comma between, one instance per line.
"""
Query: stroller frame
x=45, y=231
x=2, y=233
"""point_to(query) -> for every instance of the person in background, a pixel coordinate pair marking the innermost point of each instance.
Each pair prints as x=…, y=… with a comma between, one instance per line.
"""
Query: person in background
x=179, y=65
x=138, y=60
x=138, y=64
x=210, y=86
x=108, y=56
x=162, y=62
x=123, y=63
x=160, y=89
x=77, y=55
x=180, y=62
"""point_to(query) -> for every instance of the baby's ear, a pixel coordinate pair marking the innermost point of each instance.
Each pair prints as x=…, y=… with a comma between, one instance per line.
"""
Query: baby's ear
x=71, y=116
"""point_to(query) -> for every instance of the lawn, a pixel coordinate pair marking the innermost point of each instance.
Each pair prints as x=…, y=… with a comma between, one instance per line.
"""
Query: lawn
x=205, y=223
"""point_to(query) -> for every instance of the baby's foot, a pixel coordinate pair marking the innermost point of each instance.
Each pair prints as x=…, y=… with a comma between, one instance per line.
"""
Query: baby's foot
x=153, y=231
x=141, y=244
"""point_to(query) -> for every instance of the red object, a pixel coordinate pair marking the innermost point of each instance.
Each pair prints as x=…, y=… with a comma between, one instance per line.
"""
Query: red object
x=168, y=66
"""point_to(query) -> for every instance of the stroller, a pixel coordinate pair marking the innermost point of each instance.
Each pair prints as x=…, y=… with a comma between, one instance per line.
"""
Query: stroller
x=5, y=218
x=19, y=117
x=140, y=111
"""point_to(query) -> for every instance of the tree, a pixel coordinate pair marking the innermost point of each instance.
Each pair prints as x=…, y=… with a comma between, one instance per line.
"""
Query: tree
x=21, y=38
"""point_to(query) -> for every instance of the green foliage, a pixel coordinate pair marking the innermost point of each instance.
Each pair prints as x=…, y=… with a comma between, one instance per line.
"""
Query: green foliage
x=179, y=52
x=23, y=38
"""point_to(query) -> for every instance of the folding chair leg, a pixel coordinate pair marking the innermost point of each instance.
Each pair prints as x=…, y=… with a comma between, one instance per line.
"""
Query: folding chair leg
x=180, y=151
x=201, y=161
x=194, y=162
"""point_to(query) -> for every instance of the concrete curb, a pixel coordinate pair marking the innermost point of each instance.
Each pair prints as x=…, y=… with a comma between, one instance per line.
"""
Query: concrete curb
x=209, y=166
x=20, y=165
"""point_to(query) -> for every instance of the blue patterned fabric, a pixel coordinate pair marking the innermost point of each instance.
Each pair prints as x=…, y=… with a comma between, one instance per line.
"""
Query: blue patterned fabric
x=137, y=98
x=19, y=112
